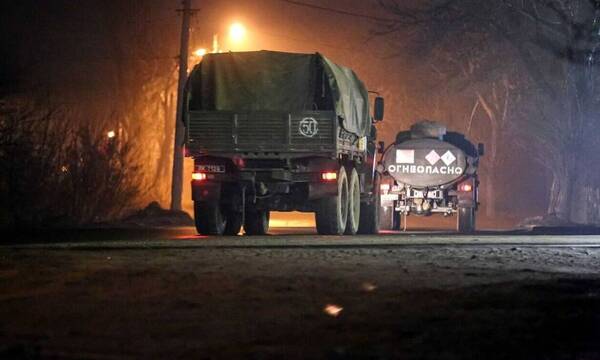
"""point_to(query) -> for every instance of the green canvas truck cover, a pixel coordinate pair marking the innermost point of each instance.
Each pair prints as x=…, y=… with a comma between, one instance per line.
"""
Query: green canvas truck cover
x=277, y=81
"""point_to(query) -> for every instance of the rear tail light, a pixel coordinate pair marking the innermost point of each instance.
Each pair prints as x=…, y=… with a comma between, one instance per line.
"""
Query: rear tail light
x=239, y=162
x=199, y=176
x=465, y=187
x=329, y=176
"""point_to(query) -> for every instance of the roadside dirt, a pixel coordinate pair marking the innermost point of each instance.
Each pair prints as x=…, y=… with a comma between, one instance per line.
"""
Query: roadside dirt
x=421, y=302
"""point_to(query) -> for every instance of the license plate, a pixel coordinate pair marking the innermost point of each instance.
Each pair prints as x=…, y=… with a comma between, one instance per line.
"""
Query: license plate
x=388, y=199
x=420, y=194
x=210, y=168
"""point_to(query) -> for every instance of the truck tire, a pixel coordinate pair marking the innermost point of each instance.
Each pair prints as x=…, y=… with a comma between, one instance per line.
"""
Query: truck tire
x=466, y=220
x=331, y=213
x=210, y=219
x=256, y=222
x=370, y=212
x=396, y=220
x=353, y=203
x=233, y=224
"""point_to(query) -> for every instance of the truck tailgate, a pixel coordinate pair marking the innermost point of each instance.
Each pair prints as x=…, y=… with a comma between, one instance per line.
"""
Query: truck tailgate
x=219, y=131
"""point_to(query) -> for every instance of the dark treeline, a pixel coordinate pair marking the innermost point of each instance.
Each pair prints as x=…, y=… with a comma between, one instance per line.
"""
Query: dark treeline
x=72, y=74
x=519, y=76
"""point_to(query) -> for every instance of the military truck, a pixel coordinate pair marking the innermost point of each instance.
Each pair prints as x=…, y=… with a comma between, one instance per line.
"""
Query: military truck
x=273, y=131
x=429, y=170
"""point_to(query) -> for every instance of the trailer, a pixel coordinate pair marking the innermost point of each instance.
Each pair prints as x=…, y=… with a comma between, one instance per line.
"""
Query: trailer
x=430, y=171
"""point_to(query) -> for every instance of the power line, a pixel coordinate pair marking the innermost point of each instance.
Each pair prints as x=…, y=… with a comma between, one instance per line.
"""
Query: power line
x=337, y=11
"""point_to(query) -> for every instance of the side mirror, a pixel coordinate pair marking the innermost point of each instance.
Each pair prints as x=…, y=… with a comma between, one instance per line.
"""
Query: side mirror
x=480, y=149
x=378, y=109
x=380, y=147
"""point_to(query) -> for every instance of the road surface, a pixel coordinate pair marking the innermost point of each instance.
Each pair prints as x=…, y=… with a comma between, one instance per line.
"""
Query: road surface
x=171, y=294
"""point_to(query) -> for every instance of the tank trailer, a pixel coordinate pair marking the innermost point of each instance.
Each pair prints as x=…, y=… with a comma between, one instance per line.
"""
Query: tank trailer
x=429, y=170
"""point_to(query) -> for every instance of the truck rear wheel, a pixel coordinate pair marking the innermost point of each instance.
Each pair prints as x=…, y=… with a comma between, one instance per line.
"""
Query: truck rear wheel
x=210, y=219
x=233, y=224
x=353, y=203
x=256, y=222
x=370, y=211
x=466, y=220
x=331, y=213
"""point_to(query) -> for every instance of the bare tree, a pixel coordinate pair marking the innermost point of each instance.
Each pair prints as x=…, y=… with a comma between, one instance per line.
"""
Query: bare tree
x=144, y=79
x=555, y=42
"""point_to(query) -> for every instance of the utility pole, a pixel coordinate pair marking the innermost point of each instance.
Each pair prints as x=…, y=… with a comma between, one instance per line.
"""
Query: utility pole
x=177, y=176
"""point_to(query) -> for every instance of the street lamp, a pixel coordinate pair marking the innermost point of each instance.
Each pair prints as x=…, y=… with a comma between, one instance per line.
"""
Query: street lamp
x=237, y=32
x=200, y=52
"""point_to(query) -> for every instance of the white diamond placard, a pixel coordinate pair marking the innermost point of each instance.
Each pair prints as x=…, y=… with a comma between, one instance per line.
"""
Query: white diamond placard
x=448, y=158
x=433, y=157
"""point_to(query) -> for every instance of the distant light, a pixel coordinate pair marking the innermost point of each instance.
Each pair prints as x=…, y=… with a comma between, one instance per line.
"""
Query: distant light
x=64, y=168
x=368, y=287
x=333, y=310
x=111, y=134
x=237, y=32
x=200, y=52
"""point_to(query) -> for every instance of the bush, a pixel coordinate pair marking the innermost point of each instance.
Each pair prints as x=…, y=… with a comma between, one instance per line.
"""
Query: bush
x=54, y=173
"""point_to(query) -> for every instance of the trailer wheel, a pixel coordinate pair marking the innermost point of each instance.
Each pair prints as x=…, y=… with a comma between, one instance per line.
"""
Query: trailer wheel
x=256, y=222
x=466, y=220
x=370, y=212
x=353, y=204
x=331, y=213
x=396, y=220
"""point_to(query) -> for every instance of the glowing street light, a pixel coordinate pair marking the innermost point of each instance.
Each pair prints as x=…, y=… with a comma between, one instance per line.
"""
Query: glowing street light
x=200, y=52
x=111, y=134
x=237, y=32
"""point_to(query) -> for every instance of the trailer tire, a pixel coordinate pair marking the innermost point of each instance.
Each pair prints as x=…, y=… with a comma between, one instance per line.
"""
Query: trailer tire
x=466, y=220
x=256, y=222
x=396, y=220
x=370, y=212
x=354, y=205
x=331, y=213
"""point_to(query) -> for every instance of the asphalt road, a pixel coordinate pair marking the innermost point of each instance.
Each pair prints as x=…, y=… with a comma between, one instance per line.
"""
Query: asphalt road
x=168, y=293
